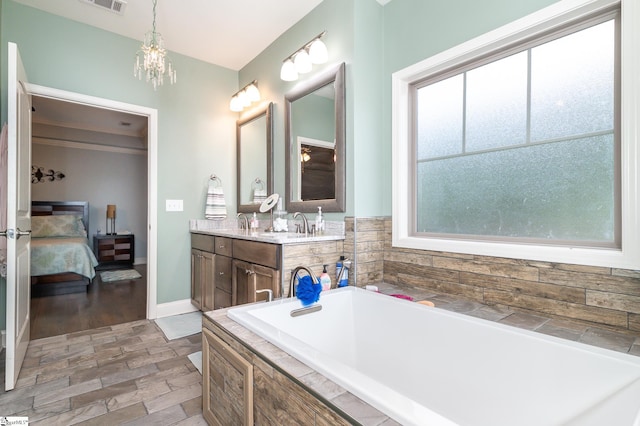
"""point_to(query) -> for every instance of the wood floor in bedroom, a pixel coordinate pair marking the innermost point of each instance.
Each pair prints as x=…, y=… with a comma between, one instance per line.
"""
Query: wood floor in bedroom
x=104, y=304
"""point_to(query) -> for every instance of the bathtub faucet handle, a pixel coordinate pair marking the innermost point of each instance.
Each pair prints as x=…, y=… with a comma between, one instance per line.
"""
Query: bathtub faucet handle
x=269, y=293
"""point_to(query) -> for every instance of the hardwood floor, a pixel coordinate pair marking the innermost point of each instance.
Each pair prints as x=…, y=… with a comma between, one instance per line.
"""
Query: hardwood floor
x=104, y=304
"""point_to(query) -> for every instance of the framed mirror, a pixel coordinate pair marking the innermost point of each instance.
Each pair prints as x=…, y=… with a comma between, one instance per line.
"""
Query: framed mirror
x=315, y=144
x=254, y=142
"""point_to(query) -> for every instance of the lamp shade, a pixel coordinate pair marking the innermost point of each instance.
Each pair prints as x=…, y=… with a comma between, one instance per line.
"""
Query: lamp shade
x=253, y=94
x=288, y=71
x=111, y=211
x=235, y=104
x=302, y=62
x=318, y=52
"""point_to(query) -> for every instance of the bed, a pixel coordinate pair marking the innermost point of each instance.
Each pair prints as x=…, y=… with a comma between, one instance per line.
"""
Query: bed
x=62, y=261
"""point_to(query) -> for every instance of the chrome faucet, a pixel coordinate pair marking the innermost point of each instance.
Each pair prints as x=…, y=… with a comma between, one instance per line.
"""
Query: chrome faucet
x=294, y=274
x=304, y=220
x=245, y=222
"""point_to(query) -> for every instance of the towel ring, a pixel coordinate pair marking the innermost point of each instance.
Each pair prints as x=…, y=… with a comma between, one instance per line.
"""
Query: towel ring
x=255, y=183
x=215, y=179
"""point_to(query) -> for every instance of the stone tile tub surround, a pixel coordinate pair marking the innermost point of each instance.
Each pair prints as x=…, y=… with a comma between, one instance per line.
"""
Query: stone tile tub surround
x=608, y=297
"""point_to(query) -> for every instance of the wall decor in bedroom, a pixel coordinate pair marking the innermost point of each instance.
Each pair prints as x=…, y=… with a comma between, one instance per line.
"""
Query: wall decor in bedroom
x=38, y=174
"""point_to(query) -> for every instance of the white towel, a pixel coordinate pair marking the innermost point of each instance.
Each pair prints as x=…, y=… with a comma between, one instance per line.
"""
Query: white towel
x=216, y=207
x=259, y=195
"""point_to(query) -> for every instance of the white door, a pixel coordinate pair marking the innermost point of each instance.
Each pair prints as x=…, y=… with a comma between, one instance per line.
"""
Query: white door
x=18, y=231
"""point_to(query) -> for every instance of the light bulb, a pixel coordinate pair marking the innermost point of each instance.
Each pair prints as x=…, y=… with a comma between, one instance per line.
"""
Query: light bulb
x=288, y=71
x=302, y=61
x=318, y=52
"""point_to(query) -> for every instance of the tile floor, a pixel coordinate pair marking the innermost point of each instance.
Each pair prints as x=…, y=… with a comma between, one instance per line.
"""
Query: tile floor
x=130, y=374
x=123, y=374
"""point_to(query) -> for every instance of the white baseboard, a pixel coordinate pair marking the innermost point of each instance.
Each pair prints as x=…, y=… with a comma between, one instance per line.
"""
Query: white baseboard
x=175, y=308
x=140, y=261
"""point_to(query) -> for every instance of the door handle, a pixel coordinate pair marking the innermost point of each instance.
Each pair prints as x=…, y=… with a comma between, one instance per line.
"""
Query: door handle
x=16, y=234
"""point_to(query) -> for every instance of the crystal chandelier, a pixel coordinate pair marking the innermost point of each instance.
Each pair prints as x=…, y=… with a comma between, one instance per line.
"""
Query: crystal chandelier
x=152, y=63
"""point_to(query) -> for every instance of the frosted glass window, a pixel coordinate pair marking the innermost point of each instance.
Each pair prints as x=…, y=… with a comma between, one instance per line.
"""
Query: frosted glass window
x=572, y=84
x=497, y=104
x=523, y=147
x=439, y=121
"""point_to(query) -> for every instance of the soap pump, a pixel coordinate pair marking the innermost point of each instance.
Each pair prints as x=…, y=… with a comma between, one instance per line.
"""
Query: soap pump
x=319, y=221
x=325, y=279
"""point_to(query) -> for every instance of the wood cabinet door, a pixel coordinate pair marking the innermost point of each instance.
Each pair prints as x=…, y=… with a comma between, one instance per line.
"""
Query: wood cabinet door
x=243, y=283
x=207, y=263
x=248, y=278
x=265, y=279
x=227, y=383
x=196, y=278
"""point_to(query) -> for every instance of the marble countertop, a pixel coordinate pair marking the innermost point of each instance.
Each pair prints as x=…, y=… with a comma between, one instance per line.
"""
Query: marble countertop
x=270, y=237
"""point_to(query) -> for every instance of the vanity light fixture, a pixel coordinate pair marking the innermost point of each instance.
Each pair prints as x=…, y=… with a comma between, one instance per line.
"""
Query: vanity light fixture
x=301, y=61
x=245, y=96
x=153, y=54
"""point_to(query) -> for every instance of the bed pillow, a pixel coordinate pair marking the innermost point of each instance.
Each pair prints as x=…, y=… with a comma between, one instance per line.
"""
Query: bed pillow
x=63, y=225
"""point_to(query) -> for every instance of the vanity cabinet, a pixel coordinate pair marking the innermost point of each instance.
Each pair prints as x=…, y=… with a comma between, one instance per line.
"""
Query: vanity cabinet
x=227, y=272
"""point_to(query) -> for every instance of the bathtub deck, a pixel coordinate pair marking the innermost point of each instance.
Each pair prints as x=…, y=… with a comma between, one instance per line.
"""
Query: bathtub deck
x=365, y=414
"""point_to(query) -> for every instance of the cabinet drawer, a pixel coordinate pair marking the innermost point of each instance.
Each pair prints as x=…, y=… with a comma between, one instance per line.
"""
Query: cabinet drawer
x=223, y=273
x=222, y=299
x=256, y=252
x=203, y=242
x=224, y=246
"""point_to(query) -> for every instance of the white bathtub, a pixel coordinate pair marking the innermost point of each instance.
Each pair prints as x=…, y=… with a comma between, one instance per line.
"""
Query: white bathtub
x=422, y=365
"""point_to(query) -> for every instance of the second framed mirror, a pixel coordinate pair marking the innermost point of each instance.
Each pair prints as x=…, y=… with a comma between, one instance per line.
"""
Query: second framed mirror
x=315, y=144
x=254, y=139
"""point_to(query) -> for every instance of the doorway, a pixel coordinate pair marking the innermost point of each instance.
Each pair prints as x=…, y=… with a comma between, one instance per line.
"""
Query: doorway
x=110, y=107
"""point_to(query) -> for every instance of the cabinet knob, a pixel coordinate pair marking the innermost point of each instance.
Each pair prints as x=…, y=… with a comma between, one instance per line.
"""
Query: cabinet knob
x=249, y=272
x=220, y=273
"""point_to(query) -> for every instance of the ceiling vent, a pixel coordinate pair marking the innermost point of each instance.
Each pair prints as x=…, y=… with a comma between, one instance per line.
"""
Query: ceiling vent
x=116, y=6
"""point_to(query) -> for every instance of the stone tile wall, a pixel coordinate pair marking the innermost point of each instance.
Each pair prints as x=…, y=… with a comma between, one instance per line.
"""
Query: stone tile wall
x=606, y=296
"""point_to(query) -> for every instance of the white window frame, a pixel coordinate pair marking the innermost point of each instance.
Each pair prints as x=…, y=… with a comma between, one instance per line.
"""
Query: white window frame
x=537, y=23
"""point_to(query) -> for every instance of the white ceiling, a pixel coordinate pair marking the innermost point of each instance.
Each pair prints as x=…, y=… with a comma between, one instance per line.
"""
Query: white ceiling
x=228, y=33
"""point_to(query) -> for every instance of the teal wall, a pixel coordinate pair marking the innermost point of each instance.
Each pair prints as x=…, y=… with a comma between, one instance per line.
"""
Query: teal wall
x=197, y=130
x=335, y=16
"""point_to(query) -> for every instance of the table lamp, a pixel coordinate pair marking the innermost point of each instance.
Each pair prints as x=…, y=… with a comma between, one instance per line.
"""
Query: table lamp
x=111, y=219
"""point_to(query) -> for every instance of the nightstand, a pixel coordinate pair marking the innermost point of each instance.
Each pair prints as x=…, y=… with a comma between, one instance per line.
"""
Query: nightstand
x=114, y=251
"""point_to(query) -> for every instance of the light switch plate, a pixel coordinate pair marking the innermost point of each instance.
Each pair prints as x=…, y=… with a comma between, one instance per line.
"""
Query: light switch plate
x=174, y=205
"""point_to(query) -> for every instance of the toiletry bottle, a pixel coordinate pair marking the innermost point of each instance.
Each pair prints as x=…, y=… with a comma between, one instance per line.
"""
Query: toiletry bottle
x=325, y=279
x=344, y=280
x=254, y=222
x=346, y=265
x=339, y=267
x=319, y=221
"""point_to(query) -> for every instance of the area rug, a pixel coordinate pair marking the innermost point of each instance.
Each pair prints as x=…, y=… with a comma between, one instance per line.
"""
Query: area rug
x=196, y=360
x=177, y=326
x=121, y=275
